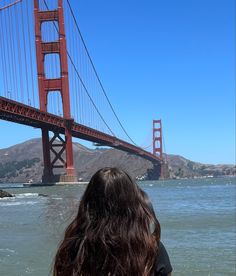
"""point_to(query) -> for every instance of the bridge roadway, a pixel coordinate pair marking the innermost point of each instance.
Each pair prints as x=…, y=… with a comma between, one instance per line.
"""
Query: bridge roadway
x=23, y=114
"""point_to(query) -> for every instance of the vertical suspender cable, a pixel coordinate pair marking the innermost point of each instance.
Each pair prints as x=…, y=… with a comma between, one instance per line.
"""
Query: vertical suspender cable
x=30, y=56
x=25, y=57
x=5, y=57
x=13, y=45
x=3, y=62
x=9, y=55
x=19, y=56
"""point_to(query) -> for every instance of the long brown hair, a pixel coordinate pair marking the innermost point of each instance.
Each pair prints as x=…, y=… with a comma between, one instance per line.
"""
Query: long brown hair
x=111, y=233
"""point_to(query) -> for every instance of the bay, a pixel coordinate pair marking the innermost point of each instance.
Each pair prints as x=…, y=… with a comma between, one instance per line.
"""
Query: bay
x=197, y=216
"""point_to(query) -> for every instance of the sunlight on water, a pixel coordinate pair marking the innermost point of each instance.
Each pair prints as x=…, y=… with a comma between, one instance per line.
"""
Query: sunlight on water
x=197, y=219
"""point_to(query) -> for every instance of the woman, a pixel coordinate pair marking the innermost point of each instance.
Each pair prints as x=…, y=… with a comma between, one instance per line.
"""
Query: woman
x=111, y=234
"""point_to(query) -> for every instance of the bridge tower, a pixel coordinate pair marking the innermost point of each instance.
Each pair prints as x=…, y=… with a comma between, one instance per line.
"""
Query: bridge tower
x=157, y=149
x=157, y=138
x=57, y=151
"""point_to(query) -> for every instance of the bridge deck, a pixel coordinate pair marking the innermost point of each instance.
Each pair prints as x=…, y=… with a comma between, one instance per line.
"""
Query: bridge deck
x=27, y=115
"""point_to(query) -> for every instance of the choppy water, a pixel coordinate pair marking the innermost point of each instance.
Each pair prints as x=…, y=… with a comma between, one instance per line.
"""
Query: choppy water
x=198, y=219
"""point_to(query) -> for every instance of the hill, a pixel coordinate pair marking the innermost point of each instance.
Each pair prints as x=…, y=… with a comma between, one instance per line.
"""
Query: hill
x=23, y=163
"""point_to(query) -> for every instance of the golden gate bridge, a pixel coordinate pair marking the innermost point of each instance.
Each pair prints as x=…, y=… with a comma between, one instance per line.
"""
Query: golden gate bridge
x=48, y=81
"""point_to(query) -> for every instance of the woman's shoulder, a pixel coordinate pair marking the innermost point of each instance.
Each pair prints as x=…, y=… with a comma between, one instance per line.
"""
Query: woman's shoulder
x=163, y=266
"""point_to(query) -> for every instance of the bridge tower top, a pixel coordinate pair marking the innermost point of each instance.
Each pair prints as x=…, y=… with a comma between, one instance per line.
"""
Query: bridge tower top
x=157, y=138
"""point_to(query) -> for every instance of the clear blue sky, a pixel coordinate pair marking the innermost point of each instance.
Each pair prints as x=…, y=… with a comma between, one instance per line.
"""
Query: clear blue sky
x=173, y=60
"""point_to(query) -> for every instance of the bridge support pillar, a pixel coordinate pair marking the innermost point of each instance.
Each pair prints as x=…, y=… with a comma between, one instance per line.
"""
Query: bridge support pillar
x=70, y=170
x=57, y=154
x=51, y=85
x=157, y=171
x=47, y=169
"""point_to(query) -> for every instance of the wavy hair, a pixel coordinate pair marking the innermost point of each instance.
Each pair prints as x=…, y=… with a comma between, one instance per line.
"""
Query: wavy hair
x=111, y=233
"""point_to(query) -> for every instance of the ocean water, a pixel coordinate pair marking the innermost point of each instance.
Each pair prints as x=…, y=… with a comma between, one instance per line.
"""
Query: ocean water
x=198, y=220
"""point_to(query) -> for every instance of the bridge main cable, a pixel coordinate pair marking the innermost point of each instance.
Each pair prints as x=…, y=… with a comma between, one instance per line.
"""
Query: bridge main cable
x=82, y=82
x=98, y=78
x=10, y=5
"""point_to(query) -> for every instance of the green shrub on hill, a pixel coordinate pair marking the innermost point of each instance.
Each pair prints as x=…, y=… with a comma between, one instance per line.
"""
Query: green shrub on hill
x=9, y=169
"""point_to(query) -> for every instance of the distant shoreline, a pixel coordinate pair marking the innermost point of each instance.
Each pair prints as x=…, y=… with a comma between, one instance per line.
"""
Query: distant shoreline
x=83, y=183
x=23, y=163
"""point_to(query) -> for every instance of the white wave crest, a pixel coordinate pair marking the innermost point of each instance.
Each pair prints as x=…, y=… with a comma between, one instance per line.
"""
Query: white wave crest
x=17, y=203
x=28, y=195
x=7, y=250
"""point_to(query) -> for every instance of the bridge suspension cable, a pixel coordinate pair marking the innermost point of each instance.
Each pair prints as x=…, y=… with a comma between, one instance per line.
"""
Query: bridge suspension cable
x=83, y=84
x=17, y=68
x=96, y=73
x=97, y=77
x=9, y=5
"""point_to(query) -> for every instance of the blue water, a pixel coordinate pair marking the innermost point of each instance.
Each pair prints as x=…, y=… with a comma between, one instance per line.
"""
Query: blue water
x=198, y=220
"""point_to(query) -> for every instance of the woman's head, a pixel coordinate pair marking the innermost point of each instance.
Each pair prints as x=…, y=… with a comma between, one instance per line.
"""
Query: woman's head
x=111, y=232
x=111, y=192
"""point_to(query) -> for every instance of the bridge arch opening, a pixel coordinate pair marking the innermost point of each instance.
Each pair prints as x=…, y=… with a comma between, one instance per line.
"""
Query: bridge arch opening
x=48, y=5
x=49, y=31
x=157, y=144
x=52, y=66
x=54, y=103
